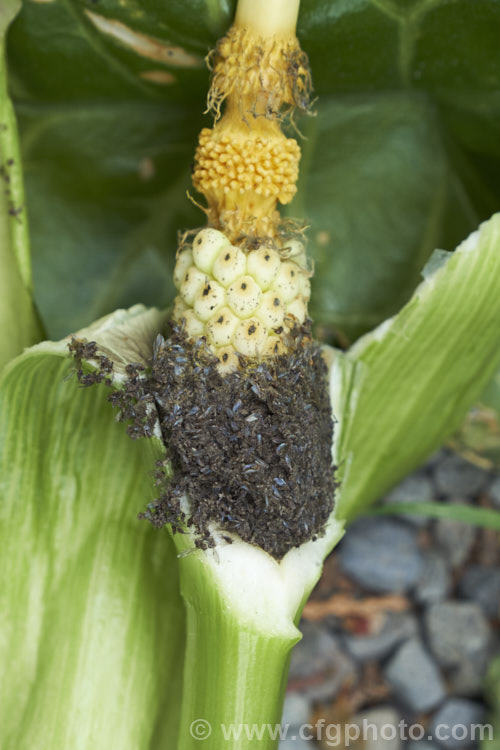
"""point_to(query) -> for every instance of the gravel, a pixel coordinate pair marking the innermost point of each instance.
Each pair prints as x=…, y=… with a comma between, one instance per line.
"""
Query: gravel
x=379, y=728
x=320, y=655
x=429, y=661
x=456, y=477
x=494, y=492
x=421, y=745
x=454, y=719
x=467, y=679
x=396, y=628
x=415, y=678
x=296, y=744
x=435, y=582
x=296, y=710
x=457, y=631
x=481, y=584
x=454, y=538
x=460, y=638
x=382, y=555
x=415, y=489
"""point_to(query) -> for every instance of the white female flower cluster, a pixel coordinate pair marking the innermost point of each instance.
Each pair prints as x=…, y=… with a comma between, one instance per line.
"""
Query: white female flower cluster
x=242, y=302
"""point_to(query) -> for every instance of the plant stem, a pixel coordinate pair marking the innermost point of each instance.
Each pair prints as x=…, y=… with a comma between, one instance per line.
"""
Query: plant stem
x=234, y=675
x=242, y=609
x=268, y=17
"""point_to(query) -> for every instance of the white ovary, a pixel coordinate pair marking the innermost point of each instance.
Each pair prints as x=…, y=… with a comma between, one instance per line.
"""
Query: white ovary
x=263, y=264
x=297, y=308
x=194, y=326
x=182, y=265
x=229, y=264
x=250, y=337
x=221, y=327
x=228, y=360
x=193, y=282
x=179, y=308
x=209, y=299
x=206, y=247
x=243, y=296
x=305, y=287
x=273, y=346
x=271, y=311
x=287, y=281
x=295, y=250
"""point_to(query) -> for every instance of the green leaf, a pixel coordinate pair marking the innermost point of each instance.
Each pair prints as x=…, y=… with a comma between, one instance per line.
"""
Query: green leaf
x=19, y=322
x=109, y=107
x=486, y=517
x=93, y=624
x=370, y=237
x=404, y=387
x=402, y=157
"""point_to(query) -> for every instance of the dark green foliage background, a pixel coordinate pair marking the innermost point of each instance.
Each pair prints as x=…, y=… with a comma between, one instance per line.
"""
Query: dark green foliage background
x=402, y=157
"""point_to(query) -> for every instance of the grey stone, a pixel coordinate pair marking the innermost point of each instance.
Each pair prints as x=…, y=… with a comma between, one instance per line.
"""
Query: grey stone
x=421, y=745
x=454, y=476
x=295, y=744
x=379, y=729
x=457, y=631
x=454, y=539
x=415, y=489
x=397, y=627
x=319, y=655
x=494, y=492
x=436, y=458
x=460, y=638
x=296, y=709
x=467, y=679
x=455, y=719
x=414, y=677
x=481, y=584
x=382, y=555
x=434, y=584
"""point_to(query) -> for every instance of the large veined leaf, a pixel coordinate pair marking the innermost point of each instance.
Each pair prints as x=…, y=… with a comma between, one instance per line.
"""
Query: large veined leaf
x=18, y=319
x=403, y=155
x=92, y=622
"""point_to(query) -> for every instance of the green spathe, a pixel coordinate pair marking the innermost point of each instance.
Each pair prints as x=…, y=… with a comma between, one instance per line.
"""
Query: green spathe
x=418, y=372
x=92, y=622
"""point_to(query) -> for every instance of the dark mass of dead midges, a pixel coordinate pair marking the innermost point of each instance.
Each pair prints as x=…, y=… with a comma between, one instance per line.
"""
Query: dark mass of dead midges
x=251, y=450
